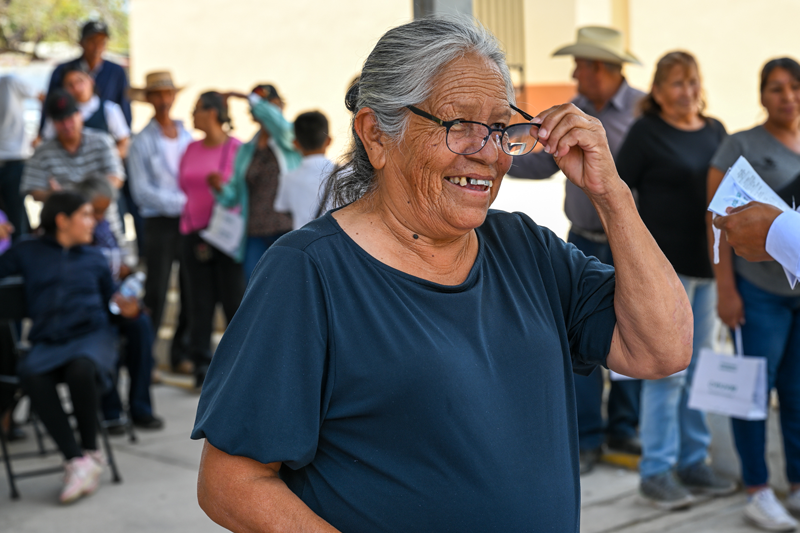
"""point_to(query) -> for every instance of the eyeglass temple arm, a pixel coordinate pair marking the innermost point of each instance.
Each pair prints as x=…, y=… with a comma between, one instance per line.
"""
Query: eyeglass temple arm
x=525, y=115
x=422, y=113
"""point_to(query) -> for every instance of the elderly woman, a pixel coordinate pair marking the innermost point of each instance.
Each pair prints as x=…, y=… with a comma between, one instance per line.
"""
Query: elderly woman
x=757, y=298
x=665, y=158
x=405, y=363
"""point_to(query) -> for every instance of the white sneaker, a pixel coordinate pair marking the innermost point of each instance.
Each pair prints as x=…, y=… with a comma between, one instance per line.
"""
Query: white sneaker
x=765, y=511
x=793, y=503
x=98, y=456
x=82, y=477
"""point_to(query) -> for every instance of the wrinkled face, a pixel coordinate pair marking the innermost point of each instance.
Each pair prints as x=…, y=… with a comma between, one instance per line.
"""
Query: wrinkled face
x=94, y=46
x=781, y=97
x=161, y=100
x=421, y=169
x=679, y=93
x=69, y=129
x=77, y=228
x=80, y=85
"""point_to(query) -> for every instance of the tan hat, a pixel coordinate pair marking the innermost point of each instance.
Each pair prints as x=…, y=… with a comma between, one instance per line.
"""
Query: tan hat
x=154, y=81
x=602, y=44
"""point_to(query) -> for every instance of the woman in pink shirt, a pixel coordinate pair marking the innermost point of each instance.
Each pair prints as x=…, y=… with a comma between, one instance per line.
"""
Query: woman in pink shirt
x=210, y=276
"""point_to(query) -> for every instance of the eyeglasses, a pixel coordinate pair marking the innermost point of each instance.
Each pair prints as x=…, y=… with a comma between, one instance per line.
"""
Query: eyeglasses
x=465, y=137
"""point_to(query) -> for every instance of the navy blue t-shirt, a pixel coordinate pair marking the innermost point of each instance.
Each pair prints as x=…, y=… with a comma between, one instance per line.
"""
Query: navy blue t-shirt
x=398, y=404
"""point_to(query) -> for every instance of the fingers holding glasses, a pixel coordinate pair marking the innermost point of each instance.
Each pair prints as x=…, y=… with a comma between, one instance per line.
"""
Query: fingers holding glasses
x=578, y=143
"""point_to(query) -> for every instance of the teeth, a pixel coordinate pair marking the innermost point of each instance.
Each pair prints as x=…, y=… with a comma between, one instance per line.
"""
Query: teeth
x=464, y=181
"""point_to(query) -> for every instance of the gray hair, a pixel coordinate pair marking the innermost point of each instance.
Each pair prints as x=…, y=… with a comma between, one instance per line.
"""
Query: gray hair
x=95, y=186
x=400, y=71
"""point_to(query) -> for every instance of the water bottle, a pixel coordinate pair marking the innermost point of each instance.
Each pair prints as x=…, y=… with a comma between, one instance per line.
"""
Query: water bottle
x=132, y=287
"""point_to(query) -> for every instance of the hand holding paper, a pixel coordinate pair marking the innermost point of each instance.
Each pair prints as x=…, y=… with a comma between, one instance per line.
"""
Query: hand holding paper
x=740, y=186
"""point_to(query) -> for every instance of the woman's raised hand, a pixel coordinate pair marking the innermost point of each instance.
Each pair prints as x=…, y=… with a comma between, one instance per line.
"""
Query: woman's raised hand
x=579, y=146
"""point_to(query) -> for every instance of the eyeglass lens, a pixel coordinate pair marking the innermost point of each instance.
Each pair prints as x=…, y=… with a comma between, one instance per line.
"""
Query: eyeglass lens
x=467, y=138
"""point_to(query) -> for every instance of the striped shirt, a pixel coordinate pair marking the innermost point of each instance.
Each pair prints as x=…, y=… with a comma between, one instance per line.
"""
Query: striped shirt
x=97, y=157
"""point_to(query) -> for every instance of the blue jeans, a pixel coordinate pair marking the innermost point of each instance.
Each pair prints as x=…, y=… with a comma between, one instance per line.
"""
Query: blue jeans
x=672, y=434
x=771, y=330
x=623, y=400
x=254, y=249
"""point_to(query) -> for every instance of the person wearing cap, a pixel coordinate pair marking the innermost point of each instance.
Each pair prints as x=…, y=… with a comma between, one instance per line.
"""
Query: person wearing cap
x=258, y=170
x=153, y=164
x=111, y=82
x=603, y=93
x=99, y=114
x=72, y=156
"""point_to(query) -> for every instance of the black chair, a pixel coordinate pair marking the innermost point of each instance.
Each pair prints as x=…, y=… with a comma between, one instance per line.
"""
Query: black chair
x=13, y=310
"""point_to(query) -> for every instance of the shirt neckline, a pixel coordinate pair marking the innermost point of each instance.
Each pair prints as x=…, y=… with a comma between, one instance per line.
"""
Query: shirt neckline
x=468, y=283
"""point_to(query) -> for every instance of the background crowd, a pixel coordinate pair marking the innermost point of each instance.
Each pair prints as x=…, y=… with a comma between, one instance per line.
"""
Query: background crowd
x=88, y=169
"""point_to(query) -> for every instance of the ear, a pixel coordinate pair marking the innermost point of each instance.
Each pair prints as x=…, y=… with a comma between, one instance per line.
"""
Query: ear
x=62, y=221
x=327, y=142
x=297, y=146
x=375, y=142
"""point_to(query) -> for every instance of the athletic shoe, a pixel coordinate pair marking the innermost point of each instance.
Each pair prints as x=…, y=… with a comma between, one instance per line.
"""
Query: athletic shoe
x=699, y=478
x=588, y=459
x=765, y=511
x=82, y=477
x=665, y=491
x=793, y=503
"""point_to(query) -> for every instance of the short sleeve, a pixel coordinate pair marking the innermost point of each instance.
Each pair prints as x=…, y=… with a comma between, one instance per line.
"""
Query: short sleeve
x=35, y=174
x=117, y=125
x=586, y=290
x=632, y=157
x=112, y=164
x=727, y=153
x=264, y=393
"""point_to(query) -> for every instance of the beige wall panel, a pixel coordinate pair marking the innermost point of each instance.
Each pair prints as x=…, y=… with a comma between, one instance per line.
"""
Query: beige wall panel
x=731, y=39
x=548, y=25
x=310, y=49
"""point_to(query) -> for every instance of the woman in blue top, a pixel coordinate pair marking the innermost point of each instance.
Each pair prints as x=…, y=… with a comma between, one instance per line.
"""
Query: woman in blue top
x=68, y=286
x=405, y=363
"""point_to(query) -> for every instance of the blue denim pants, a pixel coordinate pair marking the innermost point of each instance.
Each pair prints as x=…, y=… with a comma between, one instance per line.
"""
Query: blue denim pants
x=771, y=330
x=623, y=400
x=672, y=434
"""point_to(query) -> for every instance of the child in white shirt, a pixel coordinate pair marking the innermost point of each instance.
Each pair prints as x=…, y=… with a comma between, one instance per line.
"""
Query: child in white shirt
x=300, y=191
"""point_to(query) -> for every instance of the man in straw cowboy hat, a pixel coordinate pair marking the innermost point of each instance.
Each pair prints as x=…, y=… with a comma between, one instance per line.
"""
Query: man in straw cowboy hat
x=153, y=162
x=602, y=93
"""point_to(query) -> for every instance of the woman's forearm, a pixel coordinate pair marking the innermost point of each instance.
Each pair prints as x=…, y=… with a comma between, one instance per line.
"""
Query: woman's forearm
x=653, y=337
x=244, y=495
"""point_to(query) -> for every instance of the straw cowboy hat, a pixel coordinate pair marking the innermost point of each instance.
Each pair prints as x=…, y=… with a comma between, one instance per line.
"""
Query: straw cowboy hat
x=154, y=81
x=602, y=44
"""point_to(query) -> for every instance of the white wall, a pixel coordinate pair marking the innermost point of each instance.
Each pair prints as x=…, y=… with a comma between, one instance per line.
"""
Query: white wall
x=731, y=39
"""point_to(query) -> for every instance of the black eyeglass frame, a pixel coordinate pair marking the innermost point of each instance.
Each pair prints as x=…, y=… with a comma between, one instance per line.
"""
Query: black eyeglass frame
x=502, y=131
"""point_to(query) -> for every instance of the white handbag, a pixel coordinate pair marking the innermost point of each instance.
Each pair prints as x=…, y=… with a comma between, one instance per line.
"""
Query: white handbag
x=225, y=230
x=734, y=386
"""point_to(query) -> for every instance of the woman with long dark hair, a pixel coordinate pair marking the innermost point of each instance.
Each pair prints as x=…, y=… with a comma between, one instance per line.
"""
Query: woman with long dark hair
x=757, y=298
x=211, y=276
x=68, y=286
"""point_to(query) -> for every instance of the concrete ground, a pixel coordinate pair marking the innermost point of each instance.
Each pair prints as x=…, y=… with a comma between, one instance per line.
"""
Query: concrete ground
x=160, y=471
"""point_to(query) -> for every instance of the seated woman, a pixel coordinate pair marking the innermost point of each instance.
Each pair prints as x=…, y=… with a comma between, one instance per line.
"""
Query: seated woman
x=68, y=286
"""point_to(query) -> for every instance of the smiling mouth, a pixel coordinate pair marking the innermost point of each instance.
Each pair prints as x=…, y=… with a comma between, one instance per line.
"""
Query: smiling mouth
x=471, y=183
